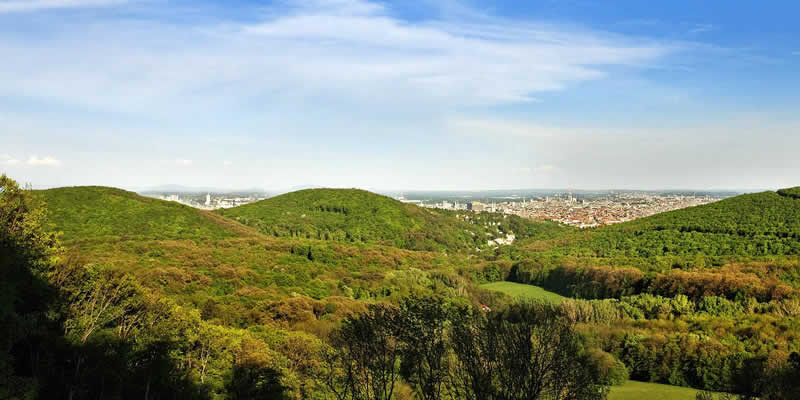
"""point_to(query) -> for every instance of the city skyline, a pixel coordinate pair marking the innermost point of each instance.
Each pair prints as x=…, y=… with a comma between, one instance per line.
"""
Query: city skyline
x=389, y=95
x=394, y=192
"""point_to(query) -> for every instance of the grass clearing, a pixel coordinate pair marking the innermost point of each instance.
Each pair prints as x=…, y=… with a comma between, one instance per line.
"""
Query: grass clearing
x=633, y=390
x=524, y=292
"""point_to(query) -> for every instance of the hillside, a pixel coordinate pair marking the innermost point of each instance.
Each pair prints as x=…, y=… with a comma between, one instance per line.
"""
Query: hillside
x=351, y=215
x=665, y=293
x=649, y=307
x=742, y=245
x=752, y=225
x=774, y=214
x=93, y=212
x=194, y=255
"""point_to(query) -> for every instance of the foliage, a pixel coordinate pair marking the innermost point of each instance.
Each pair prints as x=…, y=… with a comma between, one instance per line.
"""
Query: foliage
x=27, y=251
x=793, y=193
x=89, y=212
x=754, y=225
x=357, y=216
x=527, y=351
x=424, y=326
x=782, y=383
x=363, y=363
x=152, y=299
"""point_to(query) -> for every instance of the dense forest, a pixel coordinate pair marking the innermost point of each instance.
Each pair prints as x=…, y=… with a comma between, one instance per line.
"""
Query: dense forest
x=358, y=216
x=344, y=294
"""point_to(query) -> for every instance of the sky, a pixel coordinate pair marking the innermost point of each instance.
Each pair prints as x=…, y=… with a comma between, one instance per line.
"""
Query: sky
x=401, y=95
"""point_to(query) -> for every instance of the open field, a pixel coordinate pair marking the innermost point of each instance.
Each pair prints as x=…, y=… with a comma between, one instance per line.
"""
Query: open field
x=634, y=390
x=523, y=291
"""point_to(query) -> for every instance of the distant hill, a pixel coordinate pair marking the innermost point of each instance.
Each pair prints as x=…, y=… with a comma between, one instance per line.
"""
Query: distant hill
x=757, y=224
x=745, y=245
x=766, y=213
x=195, y=254
x=353, y=215
x=790, y=192
x=91, y=212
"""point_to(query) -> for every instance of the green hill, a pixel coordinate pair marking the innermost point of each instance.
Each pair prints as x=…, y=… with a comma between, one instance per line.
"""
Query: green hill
x=747, y=245
x=768, y=213
x=93, y=212
x=194, y=255
x=750, y=225
x=352, y=215
x=698, y=297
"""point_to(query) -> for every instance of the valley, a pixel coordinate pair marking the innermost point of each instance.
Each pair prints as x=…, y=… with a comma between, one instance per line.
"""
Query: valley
x=705, y=297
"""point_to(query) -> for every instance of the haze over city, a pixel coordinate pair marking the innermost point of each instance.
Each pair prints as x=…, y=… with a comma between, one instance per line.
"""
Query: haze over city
x=395, y=95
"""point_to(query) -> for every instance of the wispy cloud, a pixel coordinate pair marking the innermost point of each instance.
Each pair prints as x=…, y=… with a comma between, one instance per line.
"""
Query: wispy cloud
x=6, y=159
x=227, y=163
x=44, y=161
x=353, y=51
x=701, y=28
x=545, y=169
x=7, y=6
x=537, y=170
x=183, y=163
x=499, y=127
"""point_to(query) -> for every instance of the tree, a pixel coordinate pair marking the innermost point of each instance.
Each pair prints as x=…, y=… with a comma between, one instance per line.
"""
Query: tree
x=362, y=362
x=784, y=382
x=100, y=298
x=472, y=377
x=254, y=376
x=528, y=351
x=424, y=327
x=27, y=252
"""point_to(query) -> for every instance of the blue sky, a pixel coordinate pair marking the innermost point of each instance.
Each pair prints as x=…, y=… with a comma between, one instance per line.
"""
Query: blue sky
x=401, y=95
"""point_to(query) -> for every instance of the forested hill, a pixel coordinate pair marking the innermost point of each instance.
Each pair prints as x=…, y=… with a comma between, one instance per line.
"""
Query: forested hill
x=745, y=245
x=750, y=225
x=352, y=215
x=766, y=213
x=92, y=212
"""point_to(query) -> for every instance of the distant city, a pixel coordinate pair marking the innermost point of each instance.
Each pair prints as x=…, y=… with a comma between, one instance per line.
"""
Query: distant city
x=209, y=200
x=587, y=210
x=584, y=209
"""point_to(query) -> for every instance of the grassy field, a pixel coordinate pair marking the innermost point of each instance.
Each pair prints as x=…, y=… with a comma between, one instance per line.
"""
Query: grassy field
x=525, y=292
x=633, y=390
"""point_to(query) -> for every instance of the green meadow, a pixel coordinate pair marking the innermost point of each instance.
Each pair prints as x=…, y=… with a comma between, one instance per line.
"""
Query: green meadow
x=633, y=390
x=524, y=292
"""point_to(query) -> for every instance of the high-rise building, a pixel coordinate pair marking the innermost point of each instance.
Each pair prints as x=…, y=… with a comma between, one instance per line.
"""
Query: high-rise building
x=208, y=199
x=476, y=206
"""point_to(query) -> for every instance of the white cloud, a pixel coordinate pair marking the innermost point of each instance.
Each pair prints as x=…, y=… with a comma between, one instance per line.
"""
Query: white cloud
x=44, y=161
x=498, y=127
x=34, y=5
x=7, y=160
x=545, y=169
x=352, y=51
x=227, y=163
x=183, y=163
x=701, y=28
x=673, y=155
